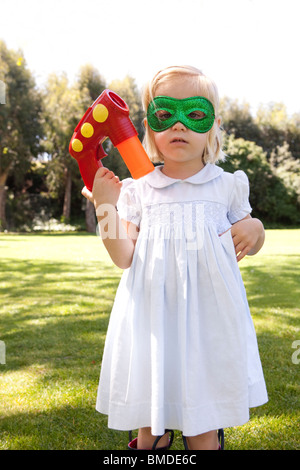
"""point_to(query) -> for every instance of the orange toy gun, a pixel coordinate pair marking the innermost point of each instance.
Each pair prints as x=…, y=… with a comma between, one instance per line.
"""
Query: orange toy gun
x=107, y=117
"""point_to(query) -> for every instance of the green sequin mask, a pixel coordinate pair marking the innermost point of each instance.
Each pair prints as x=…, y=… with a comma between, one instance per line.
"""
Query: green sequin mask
x=196, y=113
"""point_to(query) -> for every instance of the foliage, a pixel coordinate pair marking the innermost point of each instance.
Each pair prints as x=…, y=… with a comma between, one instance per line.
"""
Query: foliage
x=269, y=196
x=63, y=108
x=20, y=123
x=20, y=116
x=90, y=83
x=286, y=167
x=37, y=125
x=237, y=120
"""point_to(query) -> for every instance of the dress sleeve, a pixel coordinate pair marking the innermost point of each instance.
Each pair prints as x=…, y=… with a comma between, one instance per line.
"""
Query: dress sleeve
x=239, y=205
x=128, y=206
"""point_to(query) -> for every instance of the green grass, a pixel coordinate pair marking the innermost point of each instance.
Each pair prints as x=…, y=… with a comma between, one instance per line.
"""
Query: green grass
x=56, y=295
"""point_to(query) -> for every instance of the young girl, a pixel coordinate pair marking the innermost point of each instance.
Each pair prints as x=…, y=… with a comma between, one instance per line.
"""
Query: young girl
x=181, y=350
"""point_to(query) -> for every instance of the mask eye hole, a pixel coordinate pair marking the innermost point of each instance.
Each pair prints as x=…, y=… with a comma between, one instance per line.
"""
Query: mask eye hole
x=197, y=115
x=163, y=115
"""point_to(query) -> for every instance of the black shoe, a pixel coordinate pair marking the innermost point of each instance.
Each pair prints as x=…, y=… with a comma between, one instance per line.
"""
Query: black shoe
x=132, y=445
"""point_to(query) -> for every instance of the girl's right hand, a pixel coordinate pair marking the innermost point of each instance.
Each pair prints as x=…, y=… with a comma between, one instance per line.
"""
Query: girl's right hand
x=106, y=188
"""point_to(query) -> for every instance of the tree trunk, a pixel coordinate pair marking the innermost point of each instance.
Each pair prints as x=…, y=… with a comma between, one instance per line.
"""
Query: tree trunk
x=90, y=218
x=67, y=197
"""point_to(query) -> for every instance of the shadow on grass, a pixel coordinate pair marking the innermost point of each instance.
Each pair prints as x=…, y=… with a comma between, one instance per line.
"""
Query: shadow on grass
x=51, y=312
x=62, y=428
x=275, y=287
x=273, y=295
x=39, y=279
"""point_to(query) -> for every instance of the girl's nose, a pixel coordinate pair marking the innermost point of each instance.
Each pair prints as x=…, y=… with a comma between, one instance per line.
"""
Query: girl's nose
x=179, y=126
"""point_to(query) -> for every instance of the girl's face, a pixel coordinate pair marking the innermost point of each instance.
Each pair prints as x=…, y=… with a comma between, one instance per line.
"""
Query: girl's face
x=180, y=146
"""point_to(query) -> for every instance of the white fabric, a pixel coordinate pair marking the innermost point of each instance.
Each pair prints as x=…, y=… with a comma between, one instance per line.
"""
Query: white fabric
x=181, y=350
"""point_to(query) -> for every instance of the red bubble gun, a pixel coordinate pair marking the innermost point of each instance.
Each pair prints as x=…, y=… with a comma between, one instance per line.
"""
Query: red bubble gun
x=107, y=117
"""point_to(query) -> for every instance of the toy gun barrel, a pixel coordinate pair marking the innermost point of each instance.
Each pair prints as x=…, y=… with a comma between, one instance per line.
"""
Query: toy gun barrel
x=107, y=117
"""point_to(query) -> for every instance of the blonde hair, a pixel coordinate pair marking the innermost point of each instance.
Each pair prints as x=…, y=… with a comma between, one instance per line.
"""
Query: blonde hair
x=207, y=88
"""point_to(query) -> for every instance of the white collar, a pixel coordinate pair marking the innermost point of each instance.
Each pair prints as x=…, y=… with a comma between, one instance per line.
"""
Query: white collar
x=157, y=179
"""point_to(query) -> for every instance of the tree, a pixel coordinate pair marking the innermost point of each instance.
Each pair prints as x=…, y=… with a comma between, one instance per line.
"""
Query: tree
x=20, y=121
x=270, y=199
x=272, y=119
x=90, y=79
x=91, y=85
x=267, y=147
x=293, y=136
x=238, y=120
x=286, y=167
x=64, y=106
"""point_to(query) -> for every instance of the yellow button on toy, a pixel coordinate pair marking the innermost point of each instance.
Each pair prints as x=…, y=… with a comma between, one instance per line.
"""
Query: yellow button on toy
x=87, y=130
x=77, y=145
x=100, y=113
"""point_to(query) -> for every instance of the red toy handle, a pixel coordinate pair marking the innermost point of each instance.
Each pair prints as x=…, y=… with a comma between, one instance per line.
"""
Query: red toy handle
x=107, y=117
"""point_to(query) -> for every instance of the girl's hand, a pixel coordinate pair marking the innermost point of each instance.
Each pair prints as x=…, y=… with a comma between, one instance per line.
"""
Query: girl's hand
x=248, y=236
x=106, y=188
x=117, y=240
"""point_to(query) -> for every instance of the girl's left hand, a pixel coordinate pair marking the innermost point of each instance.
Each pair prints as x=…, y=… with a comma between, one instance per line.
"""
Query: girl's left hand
x=248, y=237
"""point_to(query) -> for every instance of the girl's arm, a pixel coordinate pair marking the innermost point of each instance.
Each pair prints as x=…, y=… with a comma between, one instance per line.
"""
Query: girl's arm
x=248, y=236
x=119, y=237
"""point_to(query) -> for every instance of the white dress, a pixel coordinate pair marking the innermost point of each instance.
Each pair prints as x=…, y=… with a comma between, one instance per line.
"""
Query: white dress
x=181, y=350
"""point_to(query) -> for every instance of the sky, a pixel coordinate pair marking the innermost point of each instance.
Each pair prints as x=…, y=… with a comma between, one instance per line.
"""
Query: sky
x=250, y=48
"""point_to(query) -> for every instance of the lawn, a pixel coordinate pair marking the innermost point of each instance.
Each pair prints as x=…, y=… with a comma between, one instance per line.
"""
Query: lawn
x=57, y=291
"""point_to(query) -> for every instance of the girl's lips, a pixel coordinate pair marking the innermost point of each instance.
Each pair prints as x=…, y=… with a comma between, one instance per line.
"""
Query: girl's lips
x=176, y=141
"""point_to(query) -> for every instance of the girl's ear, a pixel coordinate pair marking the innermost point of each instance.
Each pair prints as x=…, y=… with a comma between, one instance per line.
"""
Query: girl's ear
x=145, y=122
x=219, y=121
